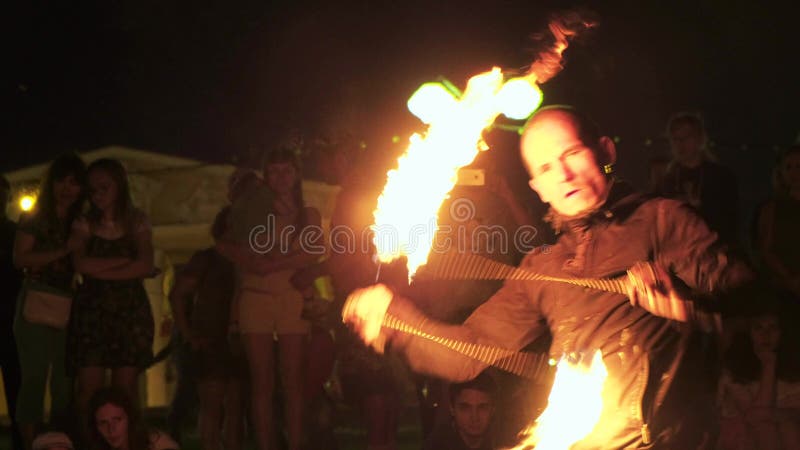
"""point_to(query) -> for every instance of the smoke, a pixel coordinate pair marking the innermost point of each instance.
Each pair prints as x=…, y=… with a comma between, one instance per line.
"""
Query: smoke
x=549, y=45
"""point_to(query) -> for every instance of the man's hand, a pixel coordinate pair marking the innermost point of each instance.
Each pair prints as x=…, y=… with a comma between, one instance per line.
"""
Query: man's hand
x=365, y=309
x=650, y=287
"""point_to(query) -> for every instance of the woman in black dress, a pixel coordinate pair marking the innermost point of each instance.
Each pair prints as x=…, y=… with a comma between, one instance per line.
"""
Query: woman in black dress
x=111, y=326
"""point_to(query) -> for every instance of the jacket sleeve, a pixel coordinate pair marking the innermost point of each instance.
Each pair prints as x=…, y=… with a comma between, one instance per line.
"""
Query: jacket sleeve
x=689, y=249
x=509, y=319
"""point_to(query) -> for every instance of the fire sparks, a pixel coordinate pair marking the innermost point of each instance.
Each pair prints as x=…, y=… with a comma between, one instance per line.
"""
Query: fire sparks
x=573, y=407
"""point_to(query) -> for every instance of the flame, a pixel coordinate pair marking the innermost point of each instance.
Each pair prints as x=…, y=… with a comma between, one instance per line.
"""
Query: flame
x=573, y=407
x=407, y=211
x=406, y=216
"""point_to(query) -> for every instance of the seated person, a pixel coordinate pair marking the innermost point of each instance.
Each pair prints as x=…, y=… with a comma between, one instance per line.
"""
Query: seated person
x=759, y=393
x=472, y=409
x=116, y=424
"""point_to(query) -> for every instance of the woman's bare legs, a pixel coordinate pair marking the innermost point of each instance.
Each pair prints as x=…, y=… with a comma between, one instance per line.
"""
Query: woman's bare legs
x=260, y=351
x=292, y=360
x=90, y=379
x=211, y=393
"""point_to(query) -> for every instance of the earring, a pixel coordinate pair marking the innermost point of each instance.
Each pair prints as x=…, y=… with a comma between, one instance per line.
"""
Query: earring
x=608, y=168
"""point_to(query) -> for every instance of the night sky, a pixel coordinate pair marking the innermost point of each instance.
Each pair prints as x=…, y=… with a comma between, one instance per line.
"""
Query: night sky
x=209, y=80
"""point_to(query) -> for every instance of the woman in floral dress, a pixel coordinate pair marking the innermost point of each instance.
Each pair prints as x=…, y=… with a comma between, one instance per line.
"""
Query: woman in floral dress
x=111, y=326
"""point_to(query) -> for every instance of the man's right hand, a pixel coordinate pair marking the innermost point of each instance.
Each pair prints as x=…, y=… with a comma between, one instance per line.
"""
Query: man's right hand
x=365, y=309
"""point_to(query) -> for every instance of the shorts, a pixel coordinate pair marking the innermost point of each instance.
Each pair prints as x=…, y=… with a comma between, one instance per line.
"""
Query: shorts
x=261, y=312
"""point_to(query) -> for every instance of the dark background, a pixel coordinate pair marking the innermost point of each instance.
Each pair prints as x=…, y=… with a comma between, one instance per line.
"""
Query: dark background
x=210, y=80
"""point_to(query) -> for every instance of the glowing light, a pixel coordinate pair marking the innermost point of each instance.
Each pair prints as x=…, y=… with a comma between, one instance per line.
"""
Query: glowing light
x=573, y=406
x=431, y=102
x=406, y=216
x=26, y=202
x=519, y=98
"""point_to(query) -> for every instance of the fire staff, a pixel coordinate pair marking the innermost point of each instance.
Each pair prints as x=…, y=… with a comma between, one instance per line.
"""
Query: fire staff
x=654, y=395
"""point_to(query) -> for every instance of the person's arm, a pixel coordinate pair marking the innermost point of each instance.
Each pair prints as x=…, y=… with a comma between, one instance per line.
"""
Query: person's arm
x=89, y=265
x=765, y=396
x=26, y=257
x=141, y=266
x=765, y=242
x=234, y=252
x=509, y=320
x=308, y=252
x=182, y=293
x=689, y=250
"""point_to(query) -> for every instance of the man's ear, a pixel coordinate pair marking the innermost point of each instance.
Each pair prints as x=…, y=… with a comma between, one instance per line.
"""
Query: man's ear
x=607, y=151
x=534, y=186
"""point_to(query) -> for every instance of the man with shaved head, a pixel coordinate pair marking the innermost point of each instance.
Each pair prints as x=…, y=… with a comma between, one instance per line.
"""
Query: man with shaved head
x=675, y=267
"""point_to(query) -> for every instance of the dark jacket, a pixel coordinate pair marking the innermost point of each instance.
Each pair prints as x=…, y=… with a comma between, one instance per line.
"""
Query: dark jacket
x=654, y=364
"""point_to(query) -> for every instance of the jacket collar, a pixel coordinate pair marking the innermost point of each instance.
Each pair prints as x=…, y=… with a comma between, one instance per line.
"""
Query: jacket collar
x=621, y=201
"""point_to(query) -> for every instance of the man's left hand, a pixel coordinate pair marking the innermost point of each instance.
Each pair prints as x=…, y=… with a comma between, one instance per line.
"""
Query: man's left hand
x=650, y=287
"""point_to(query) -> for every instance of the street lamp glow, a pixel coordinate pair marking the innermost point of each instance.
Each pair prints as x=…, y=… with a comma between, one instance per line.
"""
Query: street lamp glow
x=26, y=202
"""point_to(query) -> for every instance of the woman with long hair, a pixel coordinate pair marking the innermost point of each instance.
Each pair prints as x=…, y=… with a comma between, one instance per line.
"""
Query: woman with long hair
x=111, y=326
x=115, y=423
x=42, y=248
x=759, y=392
x=268, y=304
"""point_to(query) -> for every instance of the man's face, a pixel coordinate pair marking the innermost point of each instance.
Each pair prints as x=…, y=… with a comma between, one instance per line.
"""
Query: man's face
x=564, y=170
x=472, y=412
x=765, y=331
x=687, y=142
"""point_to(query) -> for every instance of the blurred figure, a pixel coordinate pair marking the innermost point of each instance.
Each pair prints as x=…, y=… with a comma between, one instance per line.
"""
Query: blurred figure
x=694, y=176
x=472, y=406
x=368, y=381
x=52, y=441
x=242, y=182
x=115, y=423
x=778, y=222
x=208, y=283
x=43, y=247
x=9, y=359
x=111, y=326
x=759, y=392
x=266, y=257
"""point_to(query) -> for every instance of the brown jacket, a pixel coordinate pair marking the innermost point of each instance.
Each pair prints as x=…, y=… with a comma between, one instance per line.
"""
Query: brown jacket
x=651, y=361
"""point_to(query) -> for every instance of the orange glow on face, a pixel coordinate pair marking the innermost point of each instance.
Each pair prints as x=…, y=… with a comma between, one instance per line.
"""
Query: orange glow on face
x=573, y=407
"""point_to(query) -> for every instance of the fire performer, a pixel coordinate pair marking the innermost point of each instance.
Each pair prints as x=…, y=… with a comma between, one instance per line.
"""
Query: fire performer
x=655, y=396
